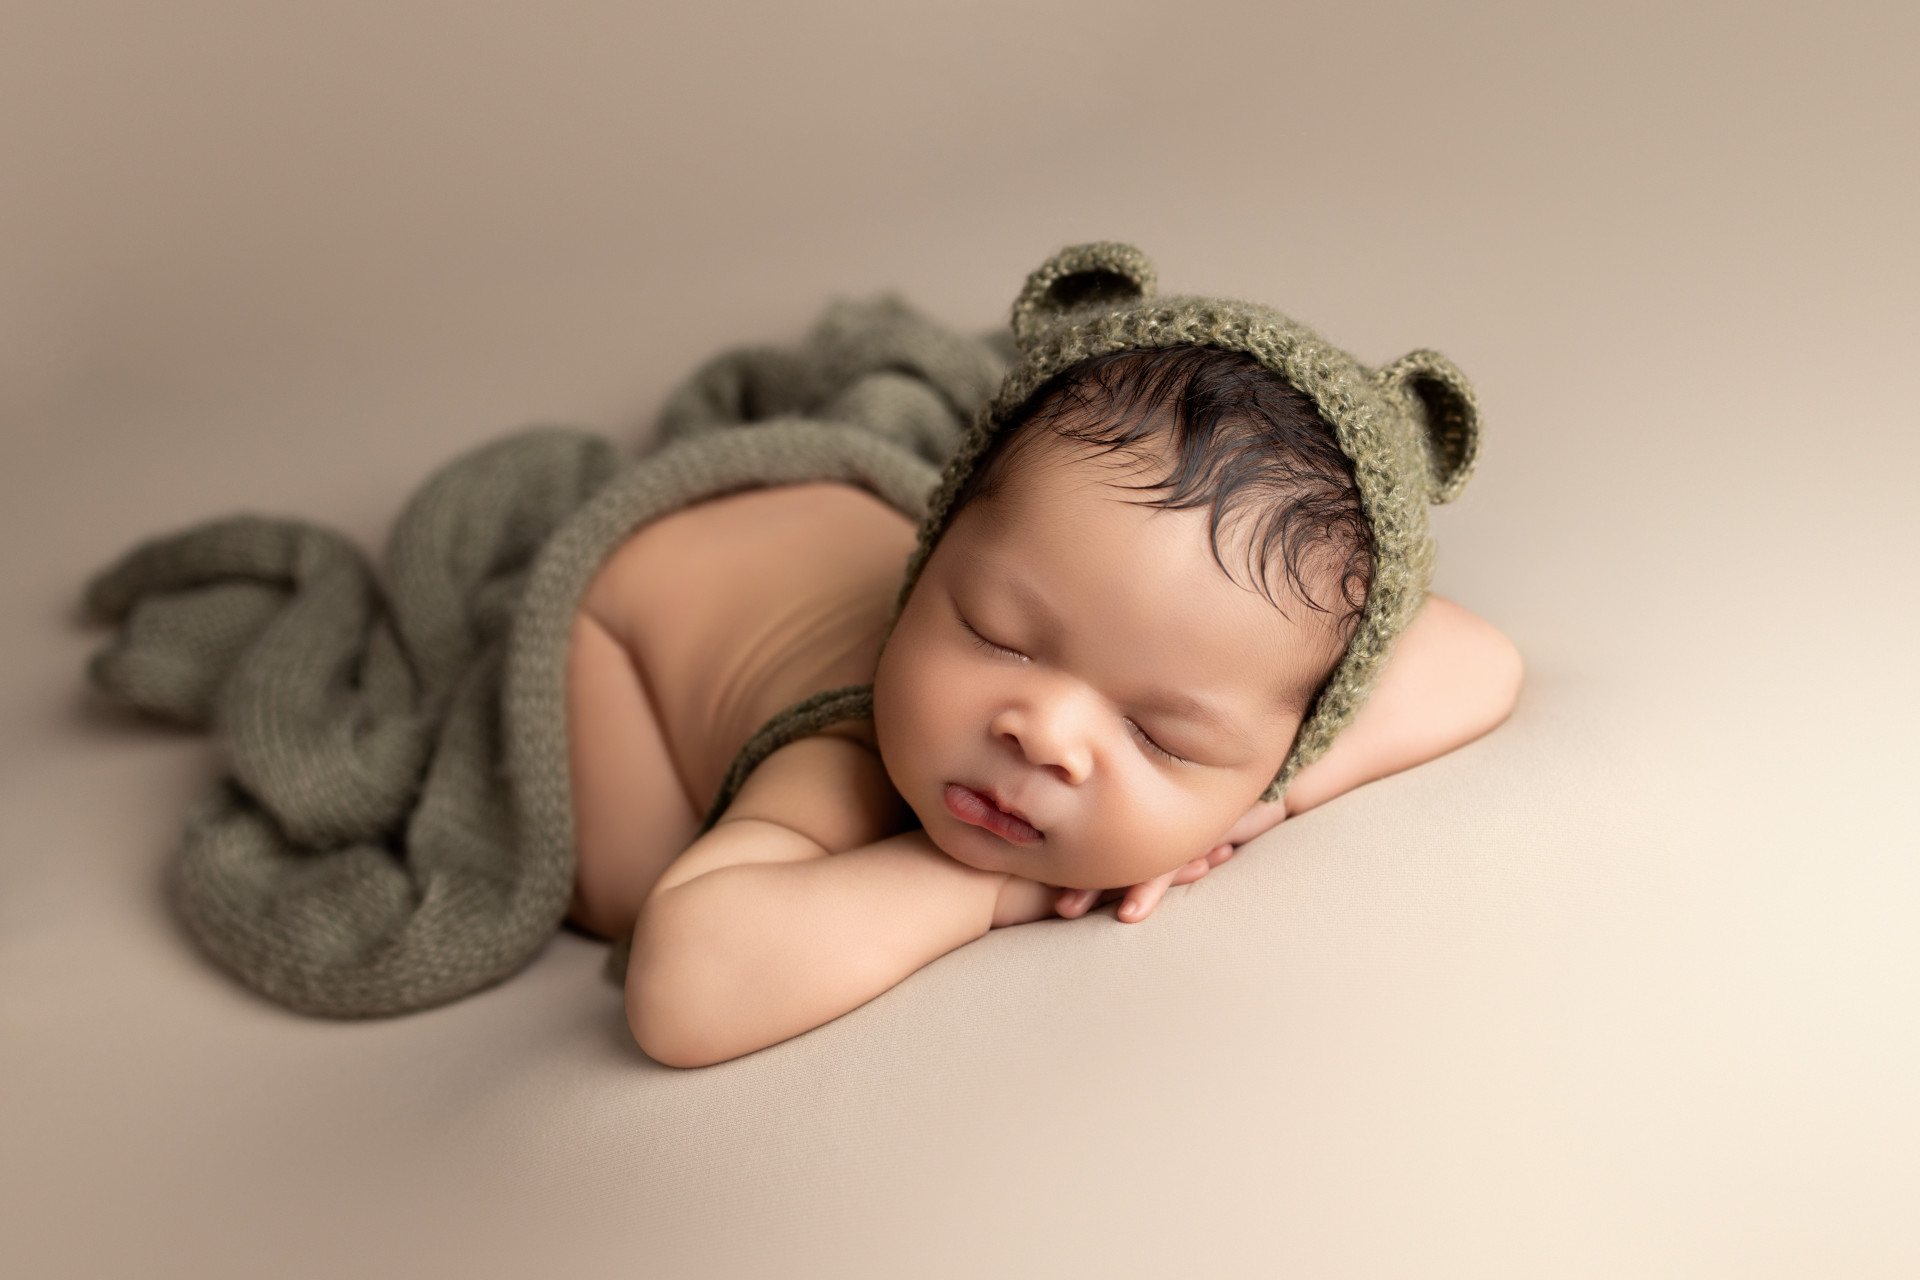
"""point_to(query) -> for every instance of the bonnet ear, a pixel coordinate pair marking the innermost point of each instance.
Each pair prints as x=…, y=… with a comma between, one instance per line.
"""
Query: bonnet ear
x=1444, y=408
x=1086, y=275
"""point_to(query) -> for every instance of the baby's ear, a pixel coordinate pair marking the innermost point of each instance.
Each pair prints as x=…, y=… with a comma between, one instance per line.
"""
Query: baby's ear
x=1443, y=406
x=1086, y=275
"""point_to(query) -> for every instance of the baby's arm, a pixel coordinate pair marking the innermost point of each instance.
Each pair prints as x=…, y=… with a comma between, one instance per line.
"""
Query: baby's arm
x=1451, y=678
x=799, y=906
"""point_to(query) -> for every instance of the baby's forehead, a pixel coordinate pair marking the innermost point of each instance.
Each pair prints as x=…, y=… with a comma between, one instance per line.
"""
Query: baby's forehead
x=1242, y=535
x=1047, y=480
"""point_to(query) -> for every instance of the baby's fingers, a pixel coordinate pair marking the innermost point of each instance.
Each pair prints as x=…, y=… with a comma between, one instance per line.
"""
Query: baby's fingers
x=1074, y=903
x=1259, y=820
x=1145, y=896
x=1191, y=871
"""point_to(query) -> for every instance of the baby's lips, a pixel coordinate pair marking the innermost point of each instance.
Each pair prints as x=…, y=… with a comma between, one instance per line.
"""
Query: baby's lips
x=977, y=809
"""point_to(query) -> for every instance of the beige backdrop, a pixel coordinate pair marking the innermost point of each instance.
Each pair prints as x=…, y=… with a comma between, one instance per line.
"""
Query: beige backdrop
x=1628, y=988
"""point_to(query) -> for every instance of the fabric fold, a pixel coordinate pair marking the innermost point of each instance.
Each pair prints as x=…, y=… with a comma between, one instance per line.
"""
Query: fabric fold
x=394, y=828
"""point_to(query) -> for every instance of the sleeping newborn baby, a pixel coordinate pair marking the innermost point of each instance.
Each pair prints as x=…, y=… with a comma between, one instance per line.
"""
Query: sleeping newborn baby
x=1157, y=584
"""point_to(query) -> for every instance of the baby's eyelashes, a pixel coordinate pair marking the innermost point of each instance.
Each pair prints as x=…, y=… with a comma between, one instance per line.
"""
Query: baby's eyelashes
x=989, y=645
x=1146, y=739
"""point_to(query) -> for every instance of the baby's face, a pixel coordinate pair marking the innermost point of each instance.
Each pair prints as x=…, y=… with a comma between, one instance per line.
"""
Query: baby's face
x=1076, y=692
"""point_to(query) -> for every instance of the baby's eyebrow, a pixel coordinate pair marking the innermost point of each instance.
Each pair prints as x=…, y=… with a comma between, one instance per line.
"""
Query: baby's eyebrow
x=1031, y=602
x=1181, y=705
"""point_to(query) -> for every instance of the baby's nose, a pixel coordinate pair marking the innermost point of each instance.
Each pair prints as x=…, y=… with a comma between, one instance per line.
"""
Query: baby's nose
x=1050, y=733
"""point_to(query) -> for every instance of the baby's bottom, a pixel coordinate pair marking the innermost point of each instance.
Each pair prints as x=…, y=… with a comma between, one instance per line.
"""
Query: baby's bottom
x=631, y=814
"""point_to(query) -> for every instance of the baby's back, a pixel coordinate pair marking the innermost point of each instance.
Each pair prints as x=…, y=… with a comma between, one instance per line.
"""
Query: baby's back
x=735, y=609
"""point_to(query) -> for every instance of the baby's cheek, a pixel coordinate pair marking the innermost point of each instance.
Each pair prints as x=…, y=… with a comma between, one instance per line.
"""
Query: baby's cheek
x=1162, y=833
x=912, y=721
x=1128, y=850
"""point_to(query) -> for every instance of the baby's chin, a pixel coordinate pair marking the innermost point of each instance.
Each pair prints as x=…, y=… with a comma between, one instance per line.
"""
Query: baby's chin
x=971, y=847
x=1039, y=863
x=960, y=843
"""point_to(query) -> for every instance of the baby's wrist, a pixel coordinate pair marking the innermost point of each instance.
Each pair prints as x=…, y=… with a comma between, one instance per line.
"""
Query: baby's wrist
x=1021, y=901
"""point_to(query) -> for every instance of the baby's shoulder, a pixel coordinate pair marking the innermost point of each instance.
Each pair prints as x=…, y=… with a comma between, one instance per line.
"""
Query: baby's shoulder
x=738, y=608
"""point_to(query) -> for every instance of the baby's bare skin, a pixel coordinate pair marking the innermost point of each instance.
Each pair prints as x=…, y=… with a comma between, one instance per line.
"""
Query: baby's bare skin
x=697, y=631
x=817, y=891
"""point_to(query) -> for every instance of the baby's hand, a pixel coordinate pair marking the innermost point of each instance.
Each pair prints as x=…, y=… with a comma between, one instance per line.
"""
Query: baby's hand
x=1142, y=898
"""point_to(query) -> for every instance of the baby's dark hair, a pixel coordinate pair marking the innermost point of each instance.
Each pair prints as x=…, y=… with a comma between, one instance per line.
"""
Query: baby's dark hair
x=1243, y=441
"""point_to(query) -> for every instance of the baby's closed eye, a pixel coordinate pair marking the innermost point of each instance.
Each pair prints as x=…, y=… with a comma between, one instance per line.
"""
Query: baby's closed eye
x=1147, y=741
x=990, y=645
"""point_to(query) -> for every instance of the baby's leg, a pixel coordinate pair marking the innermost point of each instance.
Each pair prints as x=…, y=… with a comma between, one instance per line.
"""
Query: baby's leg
x=631, y=815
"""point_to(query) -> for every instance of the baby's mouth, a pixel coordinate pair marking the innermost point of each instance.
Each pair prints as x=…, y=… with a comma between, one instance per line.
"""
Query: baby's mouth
x=973, y=807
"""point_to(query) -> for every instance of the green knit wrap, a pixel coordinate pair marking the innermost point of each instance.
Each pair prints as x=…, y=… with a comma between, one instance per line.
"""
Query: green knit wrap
x=1411, y=430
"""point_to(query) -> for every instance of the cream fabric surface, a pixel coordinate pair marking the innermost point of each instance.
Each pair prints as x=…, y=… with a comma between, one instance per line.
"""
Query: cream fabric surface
x=1628, y=987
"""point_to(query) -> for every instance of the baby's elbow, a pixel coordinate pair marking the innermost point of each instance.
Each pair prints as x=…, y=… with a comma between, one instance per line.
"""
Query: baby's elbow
x=1504, y=671
x=665, y=1038
x=1488, y=675
x=656, y=1029
x=1463, y=671
x=668, y=1022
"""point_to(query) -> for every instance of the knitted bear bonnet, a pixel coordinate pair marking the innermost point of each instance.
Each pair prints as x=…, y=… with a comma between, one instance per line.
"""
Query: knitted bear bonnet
x=1411, y=430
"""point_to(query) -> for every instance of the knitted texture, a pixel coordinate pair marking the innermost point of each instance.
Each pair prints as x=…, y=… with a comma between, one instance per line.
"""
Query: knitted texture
x=355, y=723
x=1410, y=429
x=395, y=827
